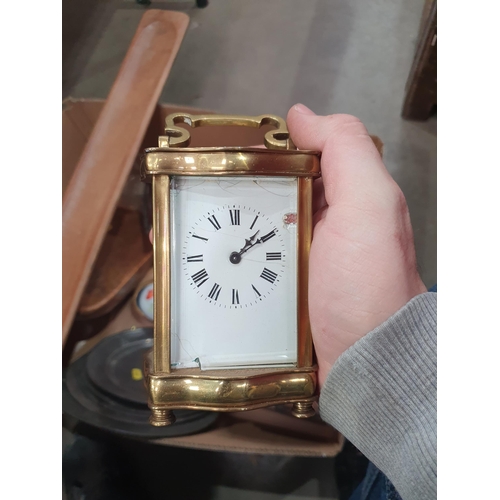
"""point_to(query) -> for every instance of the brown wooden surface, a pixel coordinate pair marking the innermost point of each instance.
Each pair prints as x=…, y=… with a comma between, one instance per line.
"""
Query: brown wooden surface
x=96, y=184
x=78, y=119
x=426, y=14
x=265, y=431
x=123, y=259
x=421, y=87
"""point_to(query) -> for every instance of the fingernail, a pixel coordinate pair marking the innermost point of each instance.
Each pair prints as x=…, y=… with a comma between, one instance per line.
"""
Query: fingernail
x=303, y=110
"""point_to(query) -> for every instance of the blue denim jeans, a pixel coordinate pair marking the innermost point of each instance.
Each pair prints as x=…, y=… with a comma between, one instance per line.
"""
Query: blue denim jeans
x=375, y=485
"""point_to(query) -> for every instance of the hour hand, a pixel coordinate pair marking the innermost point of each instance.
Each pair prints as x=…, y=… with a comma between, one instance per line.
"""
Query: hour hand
x=249, y=241
x=235, y=257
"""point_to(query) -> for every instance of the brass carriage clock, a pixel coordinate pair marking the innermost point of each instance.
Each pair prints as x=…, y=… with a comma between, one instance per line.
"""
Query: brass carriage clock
x=231, y=233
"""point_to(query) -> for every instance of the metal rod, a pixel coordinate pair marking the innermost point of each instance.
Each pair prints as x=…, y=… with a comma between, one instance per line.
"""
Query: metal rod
x=161, y=250
x=304, y=237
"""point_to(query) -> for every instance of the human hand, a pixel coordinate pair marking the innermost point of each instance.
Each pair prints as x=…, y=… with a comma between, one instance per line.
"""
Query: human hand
x=362, y=266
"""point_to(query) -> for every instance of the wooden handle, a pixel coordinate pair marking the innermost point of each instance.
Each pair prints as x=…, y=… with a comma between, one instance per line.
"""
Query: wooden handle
x=90, y=199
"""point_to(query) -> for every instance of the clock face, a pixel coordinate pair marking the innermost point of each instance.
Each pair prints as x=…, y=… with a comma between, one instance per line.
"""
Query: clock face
x=244, y=251
x=234, y=272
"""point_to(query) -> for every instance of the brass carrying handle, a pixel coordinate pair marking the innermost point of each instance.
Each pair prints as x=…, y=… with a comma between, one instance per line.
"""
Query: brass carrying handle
x=180, y=137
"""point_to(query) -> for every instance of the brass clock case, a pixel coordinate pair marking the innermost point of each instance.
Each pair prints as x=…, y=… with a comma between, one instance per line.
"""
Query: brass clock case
x=230, y=389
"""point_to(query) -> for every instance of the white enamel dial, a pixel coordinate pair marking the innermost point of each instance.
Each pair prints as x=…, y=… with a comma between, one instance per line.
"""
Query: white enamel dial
x=245, y=256
x=233, y=272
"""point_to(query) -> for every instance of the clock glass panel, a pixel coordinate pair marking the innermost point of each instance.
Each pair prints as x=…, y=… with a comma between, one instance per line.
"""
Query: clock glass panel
x=234, y=272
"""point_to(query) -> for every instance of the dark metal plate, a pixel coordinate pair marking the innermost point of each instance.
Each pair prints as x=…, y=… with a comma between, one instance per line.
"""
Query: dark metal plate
x=86, y=402
x=115, y=364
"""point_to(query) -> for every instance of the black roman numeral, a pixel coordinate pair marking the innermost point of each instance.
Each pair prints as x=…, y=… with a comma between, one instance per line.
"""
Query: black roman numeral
x=196, y=258
x=200, y=237
x=235, y=217
x=236, y=298
x=254, y=221
x=214, y=293
x=214, y=222
x=256, y=291
x=268, y=275
x=268, y=236
x=200, y=277
x=273, y=256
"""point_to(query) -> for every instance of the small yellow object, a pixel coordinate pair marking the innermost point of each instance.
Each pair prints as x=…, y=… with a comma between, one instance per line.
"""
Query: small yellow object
x=136, y=374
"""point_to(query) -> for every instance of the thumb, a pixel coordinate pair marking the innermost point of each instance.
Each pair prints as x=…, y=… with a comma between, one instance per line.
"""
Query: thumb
x=349, y=156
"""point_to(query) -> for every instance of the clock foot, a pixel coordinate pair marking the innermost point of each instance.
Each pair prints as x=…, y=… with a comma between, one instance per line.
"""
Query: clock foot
x=161, y=418
x=303, y=410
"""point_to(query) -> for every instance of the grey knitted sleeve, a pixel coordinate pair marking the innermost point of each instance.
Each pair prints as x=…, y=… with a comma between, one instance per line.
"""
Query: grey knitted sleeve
x=381, y=395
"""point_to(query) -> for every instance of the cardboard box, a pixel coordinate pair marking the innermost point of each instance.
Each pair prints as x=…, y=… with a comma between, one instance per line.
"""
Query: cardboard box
x=265, y=431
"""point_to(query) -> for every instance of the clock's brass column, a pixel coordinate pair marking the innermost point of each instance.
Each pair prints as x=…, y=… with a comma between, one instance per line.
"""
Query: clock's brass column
x=161, y=297
x=304, y=342
x=171, y=388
